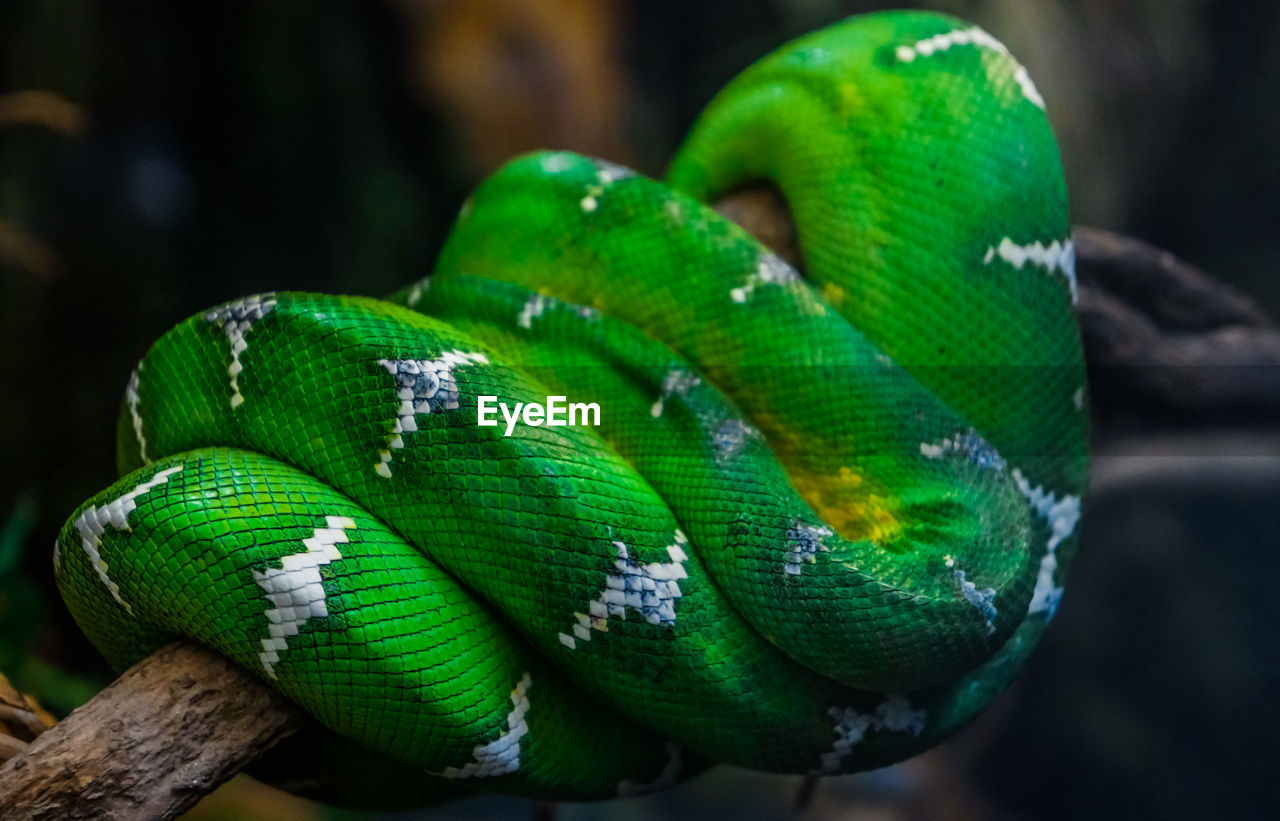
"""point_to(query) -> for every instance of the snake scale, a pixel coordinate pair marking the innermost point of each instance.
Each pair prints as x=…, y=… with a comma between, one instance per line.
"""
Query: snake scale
x=821, y=522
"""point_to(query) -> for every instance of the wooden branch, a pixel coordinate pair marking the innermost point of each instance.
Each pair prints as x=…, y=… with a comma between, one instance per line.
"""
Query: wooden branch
x=1172, y=293
x=1160, y=338
x=40, y=107
x=1166, y=345
x=150, y=745
x=764, y=214
x=21, y=720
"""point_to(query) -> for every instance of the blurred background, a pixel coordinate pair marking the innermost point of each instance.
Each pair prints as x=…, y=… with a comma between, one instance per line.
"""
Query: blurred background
x=158, y=158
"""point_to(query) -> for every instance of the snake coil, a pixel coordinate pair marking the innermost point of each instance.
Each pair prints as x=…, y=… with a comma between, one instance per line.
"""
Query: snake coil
x=822, y=520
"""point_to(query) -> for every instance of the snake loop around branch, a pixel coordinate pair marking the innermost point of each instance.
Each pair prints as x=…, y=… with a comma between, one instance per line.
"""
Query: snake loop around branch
x=821, y=523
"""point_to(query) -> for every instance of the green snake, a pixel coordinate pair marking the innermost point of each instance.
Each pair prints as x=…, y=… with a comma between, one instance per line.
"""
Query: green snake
x=820, y=525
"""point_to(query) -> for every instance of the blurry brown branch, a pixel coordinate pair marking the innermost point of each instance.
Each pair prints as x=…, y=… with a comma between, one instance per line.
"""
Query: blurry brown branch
x=26, y=251
x=35, y=107
x=21, y=720
x=56, y=113
x=1160, y=337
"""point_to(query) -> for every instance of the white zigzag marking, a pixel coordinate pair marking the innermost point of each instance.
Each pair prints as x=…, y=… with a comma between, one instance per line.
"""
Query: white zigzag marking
x=678, y=382
x=893, y=715
x=236, y=318
x=537, y=304
x=972, y=37
x=650, y=589
x=808, y=541
x=502, y=756
x=983, y=600
x=296, y=590
x=533, y=308
x=422, y=386
x=968, y=443
x=1062, y=515
x=92, y=523
x=1057, y=257
x=770, y=270
x=731, y=437
x=131, y=399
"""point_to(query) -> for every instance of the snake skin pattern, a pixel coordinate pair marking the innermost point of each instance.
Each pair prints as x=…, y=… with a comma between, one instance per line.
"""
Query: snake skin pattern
x=821, y=523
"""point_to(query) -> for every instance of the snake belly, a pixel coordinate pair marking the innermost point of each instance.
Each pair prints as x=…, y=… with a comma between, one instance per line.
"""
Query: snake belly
x=823, y=519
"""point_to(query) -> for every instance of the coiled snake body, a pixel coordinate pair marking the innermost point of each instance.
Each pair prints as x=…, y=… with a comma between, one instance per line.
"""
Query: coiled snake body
x=820, y=525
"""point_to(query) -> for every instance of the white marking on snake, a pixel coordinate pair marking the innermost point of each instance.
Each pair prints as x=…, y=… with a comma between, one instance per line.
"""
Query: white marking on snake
x=893, y=715
x=537, y=304
x=558, y=162
x=731, y=437
x=651, y=590
x=1058, y=257
x=1062, y=515
x=968, y=443
x=502, y=756
x=972, y=37
x=678, y=382
x=422, y=386
x=415, y=293
x=770, y=270
x=131, y=400
x=983, y=600
x=808, y=541
x=92, y=523
x=816, y=55
x=236, y=318
x=296, y=590
x=608, y=173
x=533, y=308
x=666, y=778
x=1078, y=399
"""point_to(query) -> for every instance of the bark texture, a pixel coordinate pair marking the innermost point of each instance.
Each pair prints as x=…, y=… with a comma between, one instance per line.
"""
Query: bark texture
x=150, y=745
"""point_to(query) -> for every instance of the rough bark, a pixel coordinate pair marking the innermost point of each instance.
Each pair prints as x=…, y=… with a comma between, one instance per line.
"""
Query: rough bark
x=150, y=745
x=1162, y=340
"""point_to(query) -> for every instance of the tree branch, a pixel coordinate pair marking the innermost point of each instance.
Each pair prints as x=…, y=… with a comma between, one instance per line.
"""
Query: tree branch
x=1162, y=340
x=150, y=745
x=1167, y=345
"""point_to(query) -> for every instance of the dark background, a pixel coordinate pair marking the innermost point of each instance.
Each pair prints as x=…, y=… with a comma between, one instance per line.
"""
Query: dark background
x=187, y=154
